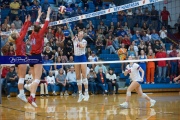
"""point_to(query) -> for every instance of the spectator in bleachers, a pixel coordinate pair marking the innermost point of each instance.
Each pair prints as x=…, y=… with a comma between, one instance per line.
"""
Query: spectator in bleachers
x=103, y=27
x=47, y=68
x=4, y=28
x=126, y=28
x=162, y=65
x=146, y=15
x=8, y=20
x=111, y=80
x=150, y=67
x=136, y=38
x=49, y=53
x=13, y=29
x=118, y=25
x=12, y=80
x=173, y=64
x=131, y=51
x=145, y=27
x=57, y=67
x=53, y=44
x=22, y=13
x=91, y=35
x=85, y=3
x=102, y=81
x=163, y=34
x=66, y=33
x=49, y=34
x=99, y=45
x=145, y=37
x=92, y=81
x=109, y=45
x=98, y=66
x=154, y=18
x=34, y=11
x=164, y=17
x=79, y=11
x=100, y=36
x=142, y=46
x=18, y=23
x=155, y=36
x=80, y=25
x=14, y=6
x=61, y=81
x=126, y=41
x=5, y=70
x=7, y=25
x=69, y=11
x=136, y=28
x=28, y=80
x=60, y=38
x=111, y=27
x=11, y=51
x=111, y=5
x=63, y=57
x=116, y=44
x=71, y=60
x=4, y=40
x=139, y=14
x=157, y=46
x=28, y=8
x=142, y=56
x=71, y=81
x=129, y=16
x=93, y=58
x=122, y=52
x=121, y=16
x=45, y=5
x=51, y=82
x=90, y=24
x=44, y=85
x=5, y=4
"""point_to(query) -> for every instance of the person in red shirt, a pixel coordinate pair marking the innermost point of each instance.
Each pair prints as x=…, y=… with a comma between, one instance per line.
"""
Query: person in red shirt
x=173, y=63
x=126, y=41
x=37, y=39
x=164, y=16
x=162, y=65
x=18, y=38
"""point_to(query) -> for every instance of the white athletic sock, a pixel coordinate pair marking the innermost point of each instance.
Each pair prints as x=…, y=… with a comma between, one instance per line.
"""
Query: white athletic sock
x=33, y=95
x=80, y=92
x=86, y=91
x=21, y=91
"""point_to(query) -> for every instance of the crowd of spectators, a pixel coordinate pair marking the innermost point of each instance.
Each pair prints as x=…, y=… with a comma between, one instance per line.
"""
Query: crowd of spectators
x=135, y=33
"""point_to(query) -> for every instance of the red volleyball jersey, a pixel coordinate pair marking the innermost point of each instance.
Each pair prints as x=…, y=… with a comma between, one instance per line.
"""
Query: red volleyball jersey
x=37, y=40
x=20, y=44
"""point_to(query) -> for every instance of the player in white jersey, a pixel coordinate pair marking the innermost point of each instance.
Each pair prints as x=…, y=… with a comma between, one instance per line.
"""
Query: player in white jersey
x=133, y=69
x=79, y=56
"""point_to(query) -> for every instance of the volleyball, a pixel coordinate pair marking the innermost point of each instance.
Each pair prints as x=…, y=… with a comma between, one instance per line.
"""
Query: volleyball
x=62, y=9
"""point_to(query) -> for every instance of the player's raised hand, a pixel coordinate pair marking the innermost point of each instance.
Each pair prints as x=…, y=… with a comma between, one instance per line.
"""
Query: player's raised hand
x=26, y=18
x=49, y=10
x=29, y=18
x=40, y=12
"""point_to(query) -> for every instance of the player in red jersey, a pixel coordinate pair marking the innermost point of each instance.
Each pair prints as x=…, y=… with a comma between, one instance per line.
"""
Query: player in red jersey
x=37, y=41
x=18, y=38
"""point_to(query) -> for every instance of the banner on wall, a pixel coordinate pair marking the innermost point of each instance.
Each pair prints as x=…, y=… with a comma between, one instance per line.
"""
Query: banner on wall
x=98, y=13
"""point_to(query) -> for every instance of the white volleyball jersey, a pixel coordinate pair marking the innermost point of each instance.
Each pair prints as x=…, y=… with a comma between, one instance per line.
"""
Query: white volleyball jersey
x=134, y=71
x=77, y=50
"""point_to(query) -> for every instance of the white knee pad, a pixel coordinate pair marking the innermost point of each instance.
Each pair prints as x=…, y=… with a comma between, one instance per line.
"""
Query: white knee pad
x=85, y=81
x=143, y=95
x=36, y=81
x=79, y=82
x=128, y=93
x=21, y=81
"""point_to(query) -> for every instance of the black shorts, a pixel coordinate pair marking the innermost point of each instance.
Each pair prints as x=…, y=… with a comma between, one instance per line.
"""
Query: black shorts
x=36, y=56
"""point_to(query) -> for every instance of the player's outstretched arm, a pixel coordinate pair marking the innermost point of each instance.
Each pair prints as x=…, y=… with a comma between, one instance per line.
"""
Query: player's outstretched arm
x=142, y=71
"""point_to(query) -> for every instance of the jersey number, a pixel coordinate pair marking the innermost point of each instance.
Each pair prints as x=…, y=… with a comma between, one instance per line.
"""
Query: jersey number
x=33, y=41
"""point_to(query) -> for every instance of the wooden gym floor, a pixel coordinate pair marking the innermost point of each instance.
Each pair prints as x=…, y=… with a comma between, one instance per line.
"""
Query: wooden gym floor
x=99, y=107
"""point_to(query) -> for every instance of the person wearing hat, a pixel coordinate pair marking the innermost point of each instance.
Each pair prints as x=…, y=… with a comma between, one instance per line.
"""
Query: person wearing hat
x=111, y=80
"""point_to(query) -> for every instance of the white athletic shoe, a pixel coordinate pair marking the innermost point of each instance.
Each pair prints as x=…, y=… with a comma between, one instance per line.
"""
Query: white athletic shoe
x=86, y=97
x=81, y=97
x=22, y=97
x=124, y=105
x=152, y=103
x=66, y=94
